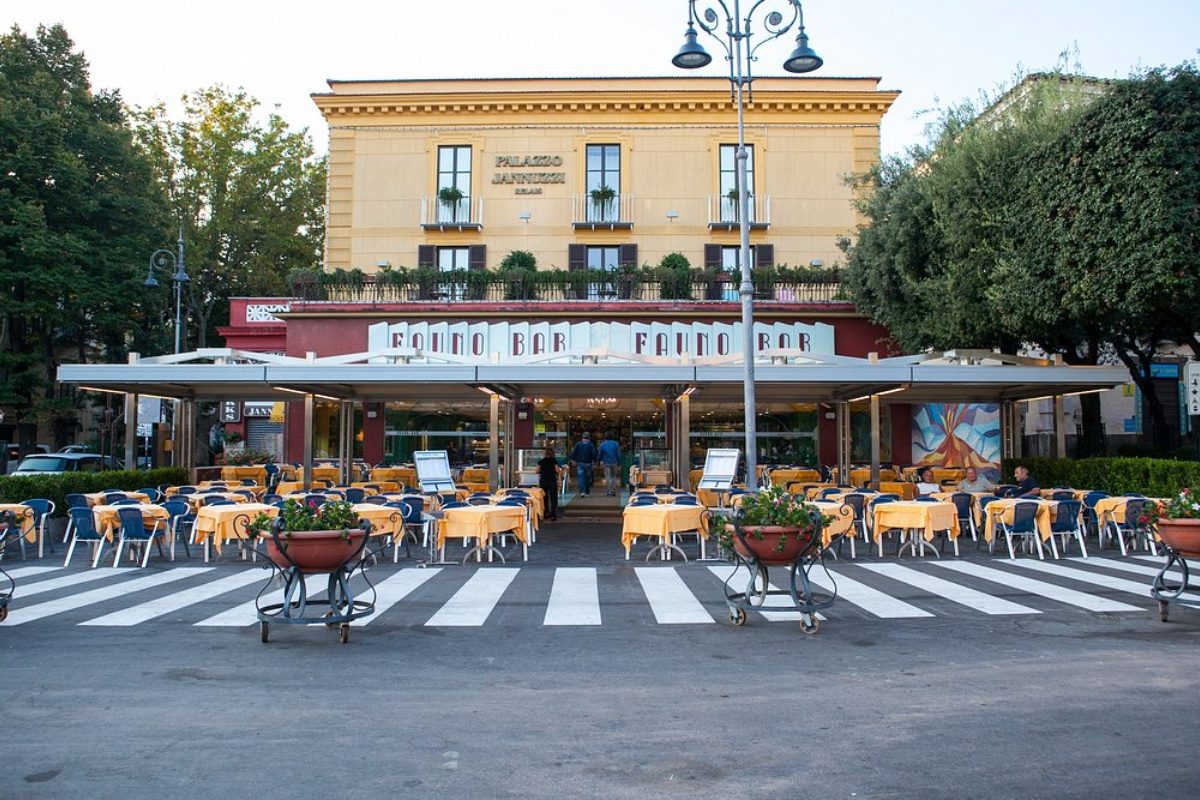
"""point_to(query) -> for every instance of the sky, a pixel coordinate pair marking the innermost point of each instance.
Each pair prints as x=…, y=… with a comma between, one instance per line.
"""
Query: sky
x=936, y=52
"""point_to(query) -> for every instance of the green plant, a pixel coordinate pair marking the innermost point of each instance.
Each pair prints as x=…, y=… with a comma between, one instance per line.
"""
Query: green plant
x=602, y=198
x=518, y=260
x=1154, y=477
x=450, y=197
x=244, y=458
x=232, y=437
x=15, y=489
x=1183, y=505
x=774, y=507
x=295, y=516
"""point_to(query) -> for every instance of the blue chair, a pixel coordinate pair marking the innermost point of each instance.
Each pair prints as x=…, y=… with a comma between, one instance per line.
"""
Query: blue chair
x=355, y=495
x=826, y=492
x=1062, y=495
x=246, y=493
x=77, y=501
x=213, y=490
x=126, y=501
x=477, y=500
x=133, y=530
x=317, y=500
x=1089, y=514
x=179, y=515
x=152, y=494
x=686, y=500
x=1131, y=527
x=42, y=511
x=270, y=498
x=1024, y=526
x=857, y=503
x=1068, y=522
x=926, y=500
x=1005, y=491
x=964, y=507
x=660, y=489
x=83, y=523
x=249, y=482
x=875, y=501
x=453, y=504
x=644, y=501
x=415, y=518
x=376, y=500
x=186, y=490
x=110, y=498
x=218, y=501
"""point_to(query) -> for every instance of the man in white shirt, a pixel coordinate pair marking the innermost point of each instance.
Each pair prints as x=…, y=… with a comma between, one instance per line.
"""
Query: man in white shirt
x=927, y=485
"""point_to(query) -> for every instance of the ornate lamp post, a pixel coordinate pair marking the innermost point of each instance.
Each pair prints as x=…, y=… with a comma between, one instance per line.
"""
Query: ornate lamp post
x=162, y=259
x=737, y=40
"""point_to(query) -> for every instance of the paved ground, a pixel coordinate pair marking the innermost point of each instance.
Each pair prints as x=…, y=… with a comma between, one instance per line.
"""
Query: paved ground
x=980, y=677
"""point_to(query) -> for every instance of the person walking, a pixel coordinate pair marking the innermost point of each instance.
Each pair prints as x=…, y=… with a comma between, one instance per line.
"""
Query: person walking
x=610, y=459
x=583, y=457
x=548, y=480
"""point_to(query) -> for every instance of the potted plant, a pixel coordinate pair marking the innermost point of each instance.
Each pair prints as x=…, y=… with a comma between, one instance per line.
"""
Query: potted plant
x=1177, y=521
x=773, y=527
x=675, y=277
x=310, y=537
x=732, y=196
x=602, y=199
x=517, y=270
x=450, y=197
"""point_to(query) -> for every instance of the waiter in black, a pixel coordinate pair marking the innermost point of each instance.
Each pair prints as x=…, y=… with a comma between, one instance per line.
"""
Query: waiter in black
x=548, y=480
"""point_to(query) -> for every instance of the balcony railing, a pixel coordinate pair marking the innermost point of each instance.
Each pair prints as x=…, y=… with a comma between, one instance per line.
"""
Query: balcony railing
x=558, y=286
x=466, y=214
x=725, y=212
x=613, y=214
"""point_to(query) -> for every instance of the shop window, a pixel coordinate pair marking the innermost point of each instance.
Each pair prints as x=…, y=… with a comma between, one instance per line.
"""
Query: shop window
x=454, y=174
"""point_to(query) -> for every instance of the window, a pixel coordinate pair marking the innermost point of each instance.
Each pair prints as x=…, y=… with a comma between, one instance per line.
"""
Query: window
x=730, y=206
x=454, y=175
x=453, y=259
x=603, y=183
x=602, y=259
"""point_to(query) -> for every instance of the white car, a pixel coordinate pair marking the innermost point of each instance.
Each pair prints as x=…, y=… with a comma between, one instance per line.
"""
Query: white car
x=58, y=463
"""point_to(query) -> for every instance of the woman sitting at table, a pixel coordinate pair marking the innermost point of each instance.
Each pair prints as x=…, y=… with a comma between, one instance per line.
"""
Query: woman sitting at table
x=927, y=485
x=973, y=483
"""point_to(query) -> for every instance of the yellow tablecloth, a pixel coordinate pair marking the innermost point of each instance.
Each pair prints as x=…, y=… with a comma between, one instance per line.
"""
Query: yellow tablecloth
x=97, y=498
x=712, y=498
x=384, y=521
x=661, y=521
x=480, y=522
x=998, y=510
x=222, y=523
x=911, y=515
x=862, y=475
x=843, y=519
x=813, y=491
x=694, y=477
x=976, y=510
x=432, y=501
x=107, y=520
x=537, y=504
x=384, y=486
x=404, y=475
x=906, y=491
x=321, y=474
x=258, y=473
x=939, y=473
x=197, y=500
x=1112, y=509
x=782, y=477
x=24, y=515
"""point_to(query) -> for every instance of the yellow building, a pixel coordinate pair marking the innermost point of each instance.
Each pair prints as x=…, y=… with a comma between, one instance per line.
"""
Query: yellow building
x=591, y=172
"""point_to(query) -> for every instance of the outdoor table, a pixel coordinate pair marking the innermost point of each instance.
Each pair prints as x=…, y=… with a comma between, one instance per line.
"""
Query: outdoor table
x=385, y=520
x=782, y=477
x=97, y=498
x=480, y=523
x=258, y=473
x=432, y=502
x=534, y=502
x=913, y=516
x=108, y=521
x=902, y=489
x=843, y=519
x=321, y=474
x=25, y=514
x=1002, y=510
x=402, y=475
x=384, y=486
x=813, y=491
x=694, y=476
x=862, y=475
x=711, y=498
x=662, y=521
x=840, y=497
x=939, y=473
x=196, y=500
x=222, y=523
x=477, y=479
x=976, y=510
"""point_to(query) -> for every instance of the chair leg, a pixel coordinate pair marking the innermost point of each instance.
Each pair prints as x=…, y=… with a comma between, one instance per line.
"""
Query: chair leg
x=1082, y=544
x=1008, y=538
x=1037, y=540
x=1053, y=548
x=120, y=546
x=146, y=553
x=70, y=551
x=98, y=546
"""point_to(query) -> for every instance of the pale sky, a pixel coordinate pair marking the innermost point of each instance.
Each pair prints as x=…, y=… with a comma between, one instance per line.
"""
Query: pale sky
x=934, y=51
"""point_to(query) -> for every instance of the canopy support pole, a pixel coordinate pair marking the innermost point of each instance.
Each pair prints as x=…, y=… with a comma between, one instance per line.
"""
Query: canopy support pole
x=131, y=409
x=493, y=441
x=843, y=442
x=307, y=457
x=875, y=441
x=1060, y=430
x=510, y=456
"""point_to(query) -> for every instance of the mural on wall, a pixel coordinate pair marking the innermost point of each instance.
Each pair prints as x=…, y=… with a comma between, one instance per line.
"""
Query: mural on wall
x=957, y=435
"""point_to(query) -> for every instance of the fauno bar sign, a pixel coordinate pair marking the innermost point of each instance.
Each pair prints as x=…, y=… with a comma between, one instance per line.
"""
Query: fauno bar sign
x=489, y=342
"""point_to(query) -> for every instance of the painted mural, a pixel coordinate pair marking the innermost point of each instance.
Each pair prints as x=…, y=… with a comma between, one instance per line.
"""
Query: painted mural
x=957, y=435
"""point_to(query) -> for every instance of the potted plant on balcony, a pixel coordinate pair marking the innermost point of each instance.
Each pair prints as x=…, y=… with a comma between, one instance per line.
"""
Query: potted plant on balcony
x=517, y=269
x=1177, y=521
x=773, y=527
x=450, y=197
x=602, y=200
x=675, y=277
x=310, y=537
x=732, y=196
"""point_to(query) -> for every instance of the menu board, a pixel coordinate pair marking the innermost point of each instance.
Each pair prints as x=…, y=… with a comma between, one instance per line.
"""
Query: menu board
x=720, y=468
x=433, y=470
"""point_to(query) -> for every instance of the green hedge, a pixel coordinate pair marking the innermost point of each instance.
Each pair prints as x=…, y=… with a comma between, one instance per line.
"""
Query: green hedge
x=16, y=489
x=1154, y=477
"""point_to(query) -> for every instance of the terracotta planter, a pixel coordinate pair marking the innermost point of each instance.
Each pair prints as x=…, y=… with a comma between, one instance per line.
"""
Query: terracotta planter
x=1182, y=535
x=315, y=551
x=766, y=550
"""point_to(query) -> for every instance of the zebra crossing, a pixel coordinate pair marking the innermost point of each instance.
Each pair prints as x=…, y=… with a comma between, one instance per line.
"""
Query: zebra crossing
x=680, y=594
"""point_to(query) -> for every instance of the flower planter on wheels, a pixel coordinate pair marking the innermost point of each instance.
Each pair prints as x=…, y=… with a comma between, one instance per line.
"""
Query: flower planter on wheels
x=297, y=554
x=1181, y=540
x=758, y=548
x=8, y=527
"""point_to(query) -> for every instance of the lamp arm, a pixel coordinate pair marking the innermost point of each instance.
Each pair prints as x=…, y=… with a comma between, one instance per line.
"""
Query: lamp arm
x=774, y=24
x=161, y=259
x=710, y=22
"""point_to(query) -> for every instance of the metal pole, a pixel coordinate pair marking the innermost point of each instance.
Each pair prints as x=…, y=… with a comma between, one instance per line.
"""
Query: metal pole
x=747, y=288
x=179, y=297
x=493, y=442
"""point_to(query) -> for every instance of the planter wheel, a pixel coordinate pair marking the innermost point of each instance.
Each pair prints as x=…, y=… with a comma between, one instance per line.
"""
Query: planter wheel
x=344, y=632
x=737, y=616
x=810, y=624
x=266, y=631
x=327, y=615
x=3, y=613
x=1163, y=607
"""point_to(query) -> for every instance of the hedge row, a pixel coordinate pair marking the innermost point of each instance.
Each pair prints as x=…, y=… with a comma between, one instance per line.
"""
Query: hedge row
x=16, y=489
x=1154, y=477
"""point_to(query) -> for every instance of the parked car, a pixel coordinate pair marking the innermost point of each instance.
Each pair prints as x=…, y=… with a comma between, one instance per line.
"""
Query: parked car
x=12, y=454
x=58, y=463
x=76, y=448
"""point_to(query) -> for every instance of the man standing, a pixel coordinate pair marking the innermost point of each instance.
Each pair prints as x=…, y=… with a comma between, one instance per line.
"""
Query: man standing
x=583, y=456
x=610, y=459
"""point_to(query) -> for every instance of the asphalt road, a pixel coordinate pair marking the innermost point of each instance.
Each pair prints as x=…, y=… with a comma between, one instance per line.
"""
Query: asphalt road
x=1055, y=701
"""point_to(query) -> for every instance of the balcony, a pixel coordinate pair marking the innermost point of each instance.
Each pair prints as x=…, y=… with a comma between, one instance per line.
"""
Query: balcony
x=465, y=215
x=645, y=285
x=724, y=213
x=615, y=214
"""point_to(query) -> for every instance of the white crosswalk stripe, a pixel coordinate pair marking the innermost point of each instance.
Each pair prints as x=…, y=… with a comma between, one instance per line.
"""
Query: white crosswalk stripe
x=1021, y=583
x=394, y=589
x=1141, y=569
x=670, y=599
x=25, y=572
x=72, y=602
x=174, y=602
x=574, y=597
x=473, y=603
x=63, y=581
x=865, y=597
x=963, y=595
x=1140, y=588
x=723, y=571
x=247, y=613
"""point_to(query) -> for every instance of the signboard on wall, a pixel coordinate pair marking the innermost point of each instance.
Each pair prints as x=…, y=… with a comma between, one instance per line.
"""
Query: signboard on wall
x=492, y=342
x=231, y=411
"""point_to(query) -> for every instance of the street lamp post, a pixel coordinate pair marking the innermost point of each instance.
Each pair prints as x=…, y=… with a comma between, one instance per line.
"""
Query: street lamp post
x=162, y=259
x=736, y=39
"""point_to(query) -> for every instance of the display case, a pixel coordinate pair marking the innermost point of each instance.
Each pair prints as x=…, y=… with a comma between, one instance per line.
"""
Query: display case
x=527, y=461
x=654, y=467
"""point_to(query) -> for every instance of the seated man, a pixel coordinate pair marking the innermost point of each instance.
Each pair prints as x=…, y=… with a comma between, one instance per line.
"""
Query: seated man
x=927, y=485
x=1027, y=485
x=973, y=483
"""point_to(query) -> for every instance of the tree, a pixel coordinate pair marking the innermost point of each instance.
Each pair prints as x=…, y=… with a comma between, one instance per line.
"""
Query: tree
x=250, y=196
x=78, y=209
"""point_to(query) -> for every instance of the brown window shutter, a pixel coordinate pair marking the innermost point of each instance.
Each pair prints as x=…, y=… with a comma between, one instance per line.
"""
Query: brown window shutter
x=576, y=256
x=477, y=256
x=627, y=255
x=426, y=256
x=712, y=256
x=764, y=256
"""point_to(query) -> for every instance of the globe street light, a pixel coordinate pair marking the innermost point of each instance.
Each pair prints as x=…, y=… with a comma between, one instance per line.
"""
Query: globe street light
x=162, y=259
x=736, y=39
